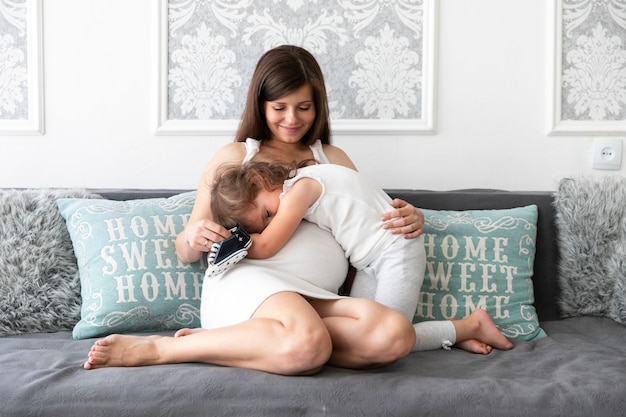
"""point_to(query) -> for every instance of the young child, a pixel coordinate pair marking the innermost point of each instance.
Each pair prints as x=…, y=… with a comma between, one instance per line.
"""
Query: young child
x=269, y=200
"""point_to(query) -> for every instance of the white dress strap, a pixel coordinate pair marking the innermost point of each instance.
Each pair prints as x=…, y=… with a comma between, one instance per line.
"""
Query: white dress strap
x=252, y=148
x=318, y=153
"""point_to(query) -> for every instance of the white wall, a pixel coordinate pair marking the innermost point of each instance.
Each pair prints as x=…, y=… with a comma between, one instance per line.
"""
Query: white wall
x=100, y=107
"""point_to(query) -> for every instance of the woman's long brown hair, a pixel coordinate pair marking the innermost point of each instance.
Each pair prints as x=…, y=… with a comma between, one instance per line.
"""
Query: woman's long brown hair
x=279, y=72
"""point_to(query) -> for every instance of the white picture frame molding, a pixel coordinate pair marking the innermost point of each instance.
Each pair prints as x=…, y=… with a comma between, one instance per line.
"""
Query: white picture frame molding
x=557, y=126
x=34, y=125
x=426, y=125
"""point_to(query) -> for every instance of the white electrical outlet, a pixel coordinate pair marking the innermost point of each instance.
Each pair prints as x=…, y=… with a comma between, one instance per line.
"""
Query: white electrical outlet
x=607, y=153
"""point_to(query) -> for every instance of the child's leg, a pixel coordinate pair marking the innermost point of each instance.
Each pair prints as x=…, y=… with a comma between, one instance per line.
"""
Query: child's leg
x=431, y=335
x=395, y=278
x=476, y=334
x=363, y=286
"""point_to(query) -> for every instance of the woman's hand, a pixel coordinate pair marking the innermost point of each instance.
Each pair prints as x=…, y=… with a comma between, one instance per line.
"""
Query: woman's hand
x=405, y=219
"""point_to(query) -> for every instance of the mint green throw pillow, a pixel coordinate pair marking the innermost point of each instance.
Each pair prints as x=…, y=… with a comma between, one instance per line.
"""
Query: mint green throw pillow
x=481, y=259
x=131, y=279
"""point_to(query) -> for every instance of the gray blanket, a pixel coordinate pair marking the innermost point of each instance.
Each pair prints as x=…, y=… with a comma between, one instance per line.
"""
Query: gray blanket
x=578, y=370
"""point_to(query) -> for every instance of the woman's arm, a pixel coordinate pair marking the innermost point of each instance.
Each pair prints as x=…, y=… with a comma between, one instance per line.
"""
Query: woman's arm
x=201, y=232
x=405, y=219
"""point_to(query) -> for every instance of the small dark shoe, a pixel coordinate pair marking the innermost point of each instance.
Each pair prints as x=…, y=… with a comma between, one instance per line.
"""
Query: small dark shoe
x=228, y=252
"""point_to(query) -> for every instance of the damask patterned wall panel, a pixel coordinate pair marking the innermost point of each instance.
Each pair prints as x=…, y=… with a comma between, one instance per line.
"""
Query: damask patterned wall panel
x=590, y=72
x=377, y=57
x=21, y=92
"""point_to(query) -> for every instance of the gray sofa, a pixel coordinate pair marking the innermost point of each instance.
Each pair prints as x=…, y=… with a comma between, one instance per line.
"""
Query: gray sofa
x=579, y=369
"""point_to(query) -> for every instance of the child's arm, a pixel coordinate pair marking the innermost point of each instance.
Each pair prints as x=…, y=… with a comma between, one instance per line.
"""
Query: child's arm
x=291, y=210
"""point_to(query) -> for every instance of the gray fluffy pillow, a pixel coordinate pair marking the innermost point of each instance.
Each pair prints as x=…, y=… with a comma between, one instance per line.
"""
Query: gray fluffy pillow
x=39, y=282
x=591, y=222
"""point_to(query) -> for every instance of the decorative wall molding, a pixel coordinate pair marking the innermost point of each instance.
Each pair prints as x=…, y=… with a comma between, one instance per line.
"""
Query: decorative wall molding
x=588, y=71
x=21, y=68
x=344, y=38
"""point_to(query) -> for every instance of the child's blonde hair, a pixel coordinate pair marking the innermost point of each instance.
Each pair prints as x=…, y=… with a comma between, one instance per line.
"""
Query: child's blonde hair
x=236, y=187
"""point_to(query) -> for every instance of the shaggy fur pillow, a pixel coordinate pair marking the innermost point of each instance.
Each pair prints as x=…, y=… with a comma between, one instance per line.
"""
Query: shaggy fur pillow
x=591, y=221
x=39, y=282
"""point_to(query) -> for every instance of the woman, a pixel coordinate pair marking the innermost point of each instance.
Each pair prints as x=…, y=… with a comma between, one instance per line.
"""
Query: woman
x=283, y=315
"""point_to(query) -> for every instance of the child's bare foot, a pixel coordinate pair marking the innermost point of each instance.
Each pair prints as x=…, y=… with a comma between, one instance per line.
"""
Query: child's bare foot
x=488, y=333
x=477, y=333
x=474, y=346
x=123, y=350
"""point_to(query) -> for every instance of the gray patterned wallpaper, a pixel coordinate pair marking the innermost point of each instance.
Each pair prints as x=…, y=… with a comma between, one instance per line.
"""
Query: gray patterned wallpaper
x=594, y=60
x=13, y=60
x=370, y=52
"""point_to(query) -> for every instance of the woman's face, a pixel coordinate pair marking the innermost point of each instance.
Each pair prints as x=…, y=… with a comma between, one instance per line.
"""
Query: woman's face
x=291, y=116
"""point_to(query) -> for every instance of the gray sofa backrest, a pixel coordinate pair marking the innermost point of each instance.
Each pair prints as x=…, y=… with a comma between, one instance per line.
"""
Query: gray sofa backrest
x=545, y=268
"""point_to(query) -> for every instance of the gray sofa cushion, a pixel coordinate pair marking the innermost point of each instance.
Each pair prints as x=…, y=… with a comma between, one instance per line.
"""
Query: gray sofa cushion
x=570, y=373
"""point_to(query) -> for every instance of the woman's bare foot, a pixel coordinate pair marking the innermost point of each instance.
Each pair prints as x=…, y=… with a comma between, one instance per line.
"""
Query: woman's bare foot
x=477, y=333
x=123, y=350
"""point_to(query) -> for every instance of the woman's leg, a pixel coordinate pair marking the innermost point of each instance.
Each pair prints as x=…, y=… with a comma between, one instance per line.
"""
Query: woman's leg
x=364, y=333
x=284, y=336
